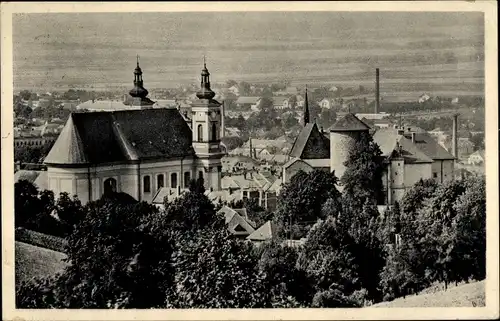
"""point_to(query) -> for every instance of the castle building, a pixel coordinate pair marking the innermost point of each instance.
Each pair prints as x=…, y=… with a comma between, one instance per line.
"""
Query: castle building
x=408, y=156
x=138, y=151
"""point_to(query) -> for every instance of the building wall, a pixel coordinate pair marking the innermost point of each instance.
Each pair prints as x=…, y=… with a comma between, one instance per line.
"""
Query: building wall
x=442, y=170
x=415, y=172
x=340, y=144
x=75, y=181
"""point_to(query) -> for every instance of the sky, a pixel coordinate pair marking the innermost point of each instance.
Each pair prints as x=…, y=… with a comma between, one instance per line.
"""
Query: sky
x=99, y=49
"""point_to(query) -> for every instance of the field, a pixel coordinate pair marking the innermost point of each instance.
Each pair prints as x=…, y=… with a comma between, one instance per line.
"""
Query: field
x=33, y=261
x=435, y=53
x=463, y=295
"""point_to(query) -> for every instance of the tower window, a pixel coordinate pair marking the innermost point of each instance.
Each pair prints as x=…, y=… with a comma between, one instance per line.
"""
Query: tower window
x=200, y=133
x=147, y=184
x=187, y=179
x=160, y=181
x=214, y=131
x=173, y=180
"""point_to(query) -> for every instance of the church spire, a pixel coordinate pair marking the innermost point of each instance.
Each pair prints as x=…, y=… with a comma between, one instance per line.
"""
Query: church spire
x=205, y=92
x=306, y=109
x=138, y=91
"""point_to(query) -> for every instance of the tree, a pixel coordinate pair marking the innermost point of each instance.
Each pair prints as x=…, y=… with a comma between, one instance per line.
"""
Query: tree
x=26, y=202
x=301, y=200
x=327, y=257
x=215, y=270
x=244, y=88
x=362, y=178
x=113, y=268
x=328, y=117
x=231, y=83
x=278, y=263
x=478, y=141
x=69, y=210
x=289, y=121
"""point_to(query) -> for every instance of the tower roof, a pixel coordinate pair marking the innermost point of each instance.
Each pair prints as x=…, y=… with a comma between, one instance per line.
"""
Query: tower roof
x=138, y=91
x=205, y=91
x=349, y=123
x=68, y=148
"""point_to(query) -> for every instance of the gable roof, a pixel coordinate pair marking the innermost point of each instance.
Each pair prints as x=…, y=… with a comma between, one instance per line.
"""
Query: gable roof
x=388, y=140
x=349, y=123
x=310, y=131
x=430, y=147
x=265, y=232
x=120, y=136
x=235, y=220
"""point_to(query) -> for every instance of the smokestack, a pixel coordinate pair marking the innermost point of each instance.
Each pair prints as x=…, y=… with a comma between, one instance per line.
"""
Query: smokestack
x=455, y=134
x=222, y=124
x=377, y=90
x=413, y=137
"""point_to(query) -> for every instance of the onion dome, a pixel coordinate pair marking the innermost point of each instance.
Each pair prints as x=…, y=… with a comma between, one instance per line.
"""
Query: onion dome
x=138, y=90
x=205, y=92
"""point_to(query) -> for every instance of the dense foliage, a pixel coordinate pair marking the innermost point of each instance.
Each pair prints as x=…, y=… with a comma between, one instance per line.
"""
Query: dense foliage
x=129, y=254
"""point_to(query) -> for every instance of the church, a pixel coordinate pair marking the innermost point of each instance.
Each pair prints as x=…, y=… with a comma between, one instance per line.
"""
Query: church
x=140, y=150
x=408, y=154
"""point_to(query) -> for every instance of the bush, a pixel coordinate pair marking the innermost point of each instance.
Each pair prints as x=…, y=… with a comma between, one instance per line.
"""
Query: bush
x=39, y=239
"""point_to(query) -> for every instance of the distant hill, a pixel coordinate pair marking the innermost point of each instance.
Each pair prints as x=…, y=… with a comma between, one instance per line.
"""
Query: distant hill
x=463, y=295
x=415, y=52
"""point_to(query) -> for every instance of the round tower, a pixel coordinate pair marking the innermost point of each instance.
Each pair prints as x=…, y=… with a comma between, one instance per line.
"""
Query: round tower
x=344, y=134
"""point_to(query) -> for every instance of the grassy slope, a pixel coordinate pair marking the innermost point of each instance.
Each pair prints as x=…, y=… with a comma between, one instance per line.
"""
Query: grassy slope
x=33, y=261
x=463, y=295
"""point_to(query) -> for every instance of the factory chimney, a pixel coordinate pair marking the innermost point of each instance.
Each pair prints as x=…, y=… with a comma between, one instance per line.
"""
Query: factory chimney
x=377, y=90
x=454, y=137
x=222, y=123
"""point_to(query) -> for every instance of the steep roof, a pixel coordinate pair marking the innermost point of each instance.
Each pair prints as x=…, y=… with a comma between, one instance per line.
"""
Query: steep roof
x=265, y=232
x=310, y=137
x=349, y=123
x=233, y=219
x=68, y=148
x=388, y=140
x=426, y=143
x=120, y=136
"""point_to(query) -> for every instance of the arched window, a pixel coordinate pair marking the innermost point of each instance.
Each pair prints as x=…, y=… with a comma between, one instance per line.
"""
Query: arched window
x=147, y=184
x=173, y=180
x=110, y=186
x=187, y=179
x=160, y=181
x=200, y=174
x=200, y=133
x=214, y=131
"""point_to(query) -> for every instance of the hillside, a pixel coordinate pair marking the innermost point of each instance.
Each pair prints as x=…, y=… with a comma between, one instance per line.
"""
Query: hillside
x=463, y=295
x=33, y=261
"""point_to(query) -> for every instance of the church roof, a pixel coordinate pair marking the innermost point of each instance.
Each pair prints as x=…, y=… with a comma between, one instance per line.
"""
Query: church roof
x=349, y=123
x=299, y=146
x=120, y=136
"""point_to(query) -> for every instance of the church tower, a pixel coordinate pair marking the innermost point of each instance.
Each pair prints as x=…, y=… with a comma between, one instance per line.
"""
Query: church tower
x=306, y=109
x=139, y=93
x=206, y=118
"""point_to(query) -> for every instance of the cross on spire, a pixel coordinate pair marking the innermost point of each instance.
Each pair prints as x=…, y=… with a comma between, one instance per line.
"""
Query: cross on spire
x=204, y=62
x=137, y=60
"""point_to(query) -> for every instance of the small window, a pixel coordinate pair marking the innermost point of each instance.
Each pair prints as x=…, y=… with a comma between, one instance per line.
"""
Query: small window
x=173, y=180
x=435, y=175
x=187, y=179
x=399, y=164
x=147, y=184
x=160, y=181
x=200, y=133
x=200, y=174
x=396, y=173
